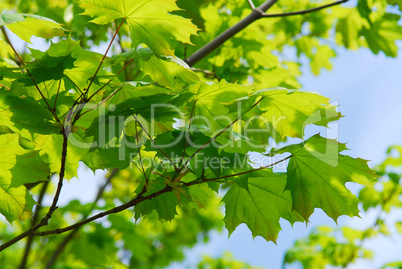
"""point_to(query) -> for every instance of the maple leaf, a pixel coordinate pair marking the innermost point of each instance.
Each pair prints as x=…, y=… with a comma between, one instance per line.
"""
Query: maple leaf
x=18, y=167
x=317, y=174
x=211, y=103
x=27, y=25
x=149, y=21
x=290, y=111
x=259, y=202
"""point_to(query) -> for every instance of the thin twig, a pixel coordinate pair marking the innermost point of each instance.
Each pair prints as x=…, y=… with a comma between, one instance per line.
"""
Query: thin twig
x=2, y=85
x=156, y=173
x=251, y=4
x=206, y=72
x=82, y=104
x=238, y=174
x=303, y=11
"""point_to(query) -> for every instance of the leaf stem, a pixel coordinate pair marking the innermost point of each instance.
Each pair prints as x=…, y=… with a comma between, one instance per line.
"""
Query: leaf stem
x=139, y=153
x=76, y=86
x=101, y=102
x=57, y=95
x=104, y=55
x=110, y=80
x=188, y=133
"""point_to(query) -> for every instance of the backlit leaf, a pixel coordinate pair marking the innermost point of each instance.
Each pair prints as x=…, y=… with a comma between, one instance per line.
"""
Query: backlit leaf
x=149, y=21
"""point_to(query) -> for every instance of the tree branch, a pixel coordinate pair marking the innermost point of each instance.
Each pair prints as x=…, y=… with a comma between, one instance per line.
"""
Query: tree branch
x=114, y=210
x=33, y=222
x=71, y=235
x=140, y=199
x=257, y=13
x=229, y=33
x=304, y=11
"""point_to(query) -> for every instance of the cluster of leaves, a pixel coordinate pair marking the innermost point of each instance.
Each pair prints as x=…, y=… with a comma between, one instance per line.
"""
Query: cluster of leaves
x=326, y=247
x=145, y=103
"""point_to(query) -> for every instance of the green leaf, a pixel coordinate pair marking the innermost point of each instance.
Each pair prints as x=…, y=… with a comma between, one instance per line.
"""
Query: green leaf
x=260, y=206
x=164, y=204
x=149, y=21
x=212, y=104
x=18, y=166
x=370, y=197
x=112, y=157
x=63, y=60
x=317, y=174
x=50, y=146
x=25, y=116
x=349, y=28
x=171, y=73
x=27, y=25
x=152, y=108
x=383, y=33
x=321, y=59
x=290, y=112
